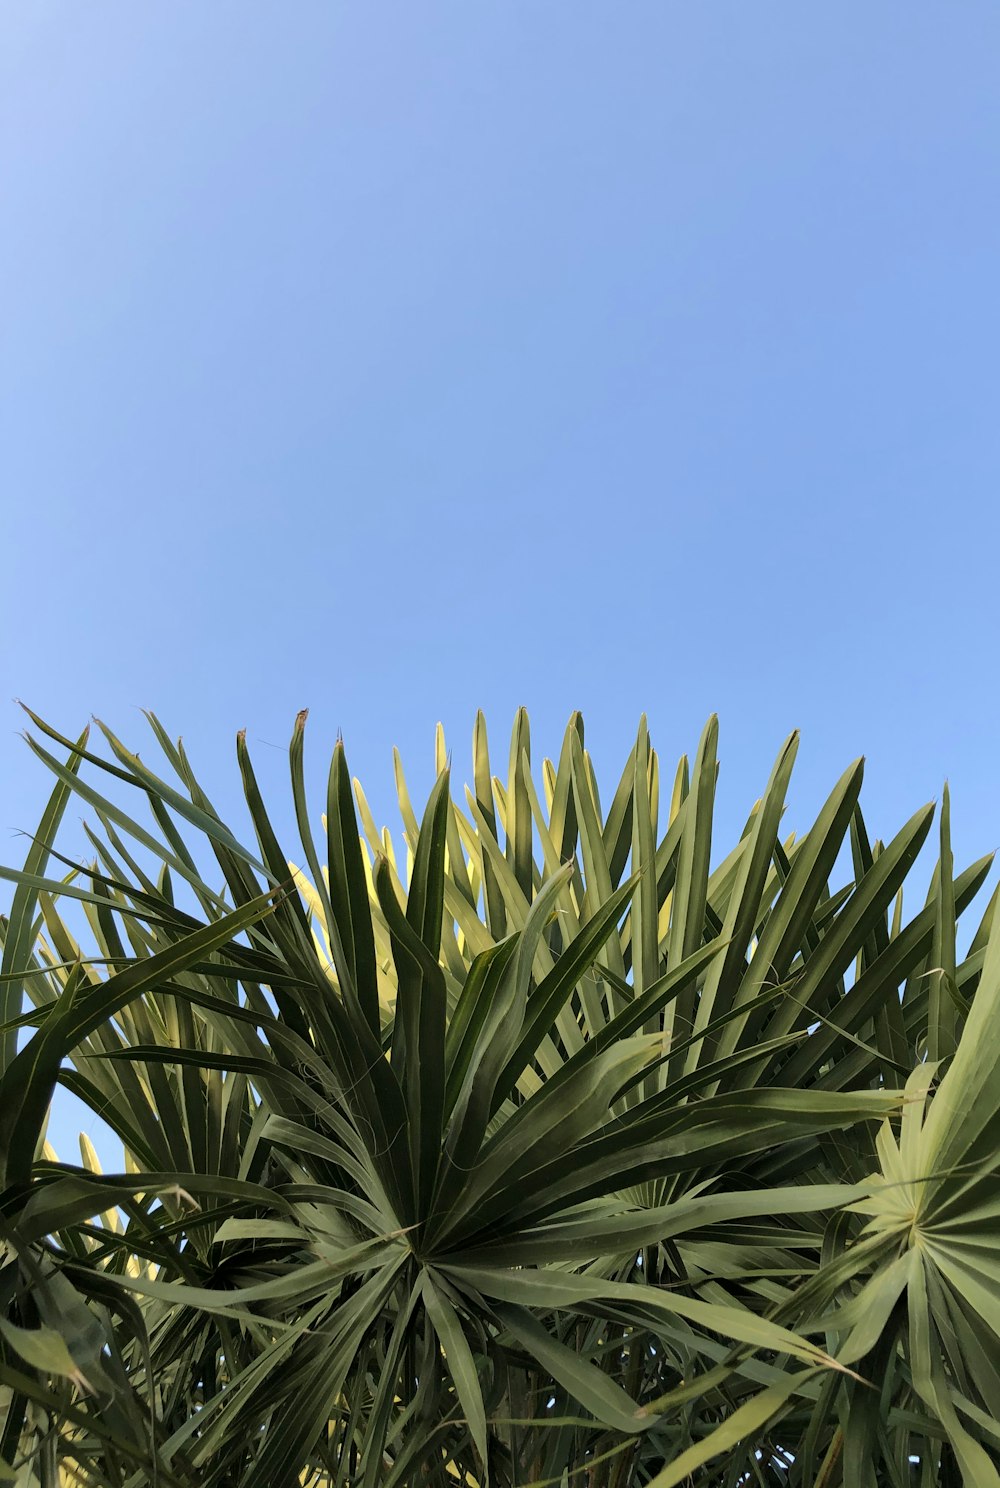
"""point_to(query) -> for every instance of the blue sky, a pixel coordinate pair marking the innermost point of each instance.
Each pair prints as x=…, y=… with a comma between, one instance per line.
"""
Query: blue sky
x=395, y=360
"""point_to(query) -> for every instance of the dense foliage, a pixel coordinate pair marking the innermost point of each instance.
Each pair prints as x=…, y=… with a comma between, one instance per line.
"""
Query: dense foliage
x=565, y=1151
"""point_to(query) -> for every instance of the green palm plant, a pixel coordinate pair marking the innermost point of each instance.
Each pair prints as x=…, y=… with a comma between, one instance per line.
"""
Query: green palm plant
x=544, y=1157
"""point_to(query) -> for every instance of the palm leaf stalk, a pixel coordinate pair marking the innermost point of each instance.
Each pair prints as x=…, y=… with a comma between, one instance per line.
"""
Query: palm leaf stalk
x=543, y=1146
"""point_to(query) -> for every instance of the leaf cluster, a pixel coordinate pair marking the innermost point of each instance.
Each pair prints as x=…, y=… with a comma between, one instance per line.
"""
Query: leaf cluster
x=541, y=1146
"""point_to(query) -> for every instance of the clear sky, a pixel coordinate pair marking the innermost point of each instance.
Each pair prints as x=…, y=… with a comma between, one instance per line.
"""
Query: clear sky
x=395, y=360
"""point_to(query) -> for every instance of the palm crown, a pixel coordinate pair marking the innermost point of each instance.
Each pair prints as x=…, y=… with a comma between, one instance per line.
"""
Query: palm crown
x=564, y=1152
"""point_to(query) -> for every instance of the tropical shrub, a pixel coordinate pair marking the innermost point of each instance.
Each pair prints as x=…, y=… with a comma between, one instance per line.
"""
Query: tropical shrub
x=548, y=1146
